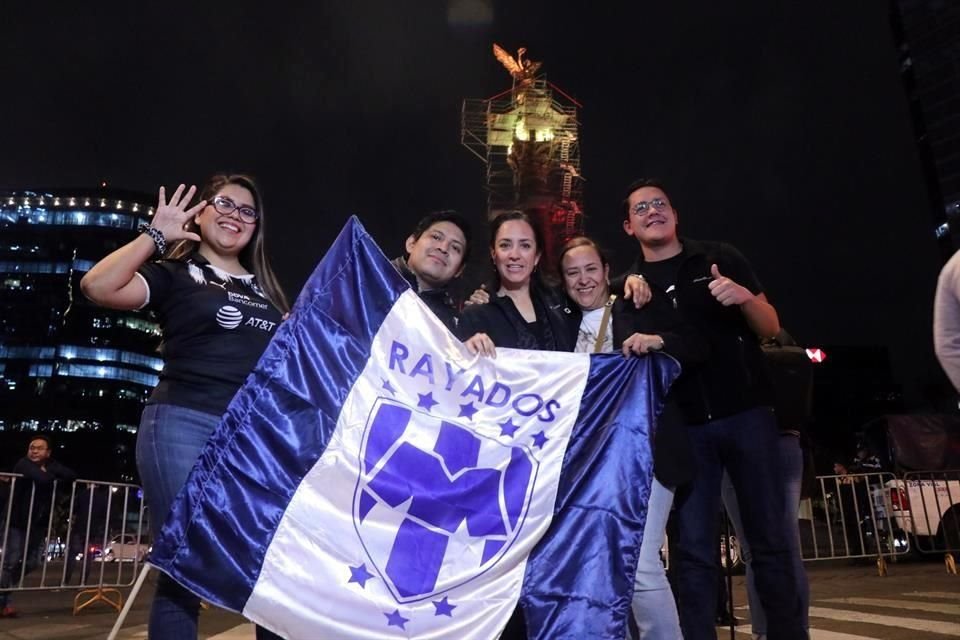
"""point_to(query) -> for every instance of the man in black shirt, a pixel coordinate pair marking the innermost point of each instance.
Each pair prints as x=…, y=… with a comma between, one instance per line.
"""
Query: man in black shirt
x=727, y=403
x=33, y=496
x=436, y=253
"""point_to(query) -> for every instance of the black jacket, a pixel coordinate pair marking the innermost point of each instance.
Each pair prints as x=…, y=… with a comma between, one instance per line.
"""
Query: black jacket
x=439, y=300
x=672, y=457
x=38, y=484
x=501, y=320
x=734, y=376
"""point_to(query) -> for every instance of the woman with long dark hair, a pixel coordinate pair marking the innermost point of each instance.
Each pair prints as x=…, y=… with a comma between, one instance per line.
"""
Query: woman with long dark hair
x=203, y=270
x=522, y=312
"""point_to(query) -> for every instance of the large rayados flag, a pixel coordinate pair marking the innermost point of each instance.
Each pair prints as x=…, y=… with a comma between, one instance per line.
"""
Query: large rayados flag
x=372, y=479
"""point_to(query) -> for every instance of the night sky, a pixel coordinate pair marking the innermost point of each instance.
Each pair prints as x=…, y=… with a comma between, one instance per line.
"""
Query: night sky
x=780, y=127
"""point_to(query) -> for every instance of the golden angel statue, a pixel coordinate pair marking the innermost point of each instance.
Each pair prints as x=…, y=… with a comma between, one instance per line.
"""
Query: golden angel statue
x=523, y=71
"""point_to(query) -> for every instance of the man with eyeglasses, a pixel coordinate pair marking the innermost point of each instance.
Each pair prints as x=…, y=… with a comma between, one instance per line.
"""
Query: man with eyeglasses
x=436, y=253
x=727, y=404
x=33, y=496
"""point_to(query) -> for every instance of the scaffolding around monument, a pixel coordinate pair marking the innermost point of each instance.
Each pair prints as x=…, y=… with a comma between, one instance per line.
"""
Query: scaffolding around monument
x=529, y=139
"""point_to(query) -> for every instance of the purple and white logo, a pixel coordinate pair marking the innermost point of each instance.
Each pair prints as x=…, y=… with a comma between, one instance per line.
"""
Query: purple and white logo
x=436, y=504
x=229, y=317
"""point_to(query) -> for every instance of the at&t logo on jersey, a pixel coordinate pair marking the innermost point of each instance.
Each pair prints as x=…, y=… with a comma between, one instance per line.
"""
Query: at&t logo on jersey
x=229, y=317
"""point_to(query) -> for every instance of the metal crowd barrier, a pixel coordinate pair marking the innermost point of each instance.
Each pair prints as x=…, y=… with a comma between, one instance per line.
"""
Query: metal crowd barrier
x=875, y=516
x=852, y=516
x=84, y=535
x=928, y=506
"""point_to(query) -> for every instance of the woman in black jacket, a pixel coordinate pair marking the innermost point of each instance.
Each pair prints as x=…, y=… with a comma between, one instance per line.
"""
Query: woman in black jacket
x=594, y=321
x=522, y=313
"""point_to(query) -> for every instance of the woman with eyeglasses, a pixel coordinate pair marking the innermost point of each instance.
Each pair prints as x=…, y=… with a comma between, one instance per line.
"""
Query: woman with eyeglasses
x=203, y=270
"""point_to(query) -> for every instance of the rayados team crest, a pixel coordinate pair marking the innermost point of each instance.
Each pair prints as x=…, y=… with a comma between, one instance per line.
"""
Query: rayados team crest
x=436, y=504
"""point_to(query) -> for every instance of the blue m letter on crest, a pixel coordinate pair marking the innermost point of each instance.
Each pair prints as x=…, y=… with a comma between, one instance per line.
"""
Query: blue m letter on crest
x=445, y=495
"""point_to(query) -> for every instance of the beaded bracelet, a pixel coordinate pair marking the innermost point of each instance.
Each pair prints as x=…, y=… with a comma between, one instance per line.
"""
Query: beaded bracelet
x=156, y=235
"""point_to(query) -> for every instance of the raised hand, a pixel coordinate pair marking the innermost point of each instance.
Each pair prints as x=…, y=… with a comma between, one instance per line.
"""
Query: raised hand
x=726, y=291
x=171, y=217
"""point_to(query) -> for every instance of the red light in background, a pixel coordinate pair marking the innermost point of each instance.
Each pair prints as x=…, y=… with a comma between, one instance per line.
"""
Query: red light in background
x=816, y=355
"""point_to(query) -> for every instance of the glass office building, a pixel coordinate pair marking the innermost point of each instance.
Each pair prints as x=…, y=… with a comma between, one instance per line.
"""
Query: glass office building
x=68, y=368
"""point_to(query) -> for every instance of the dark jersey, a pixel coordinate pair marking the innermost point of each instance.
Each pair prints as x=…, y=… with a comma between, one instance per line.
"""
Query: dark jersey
x=734, y=378
x=36, y=485
x=215, y=327
x=664, y=273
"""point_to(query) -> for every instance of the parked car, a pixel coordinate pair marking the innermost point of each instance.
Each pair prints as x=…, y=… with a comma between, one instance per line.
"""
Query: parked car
x=924, y=453
x=929, y=509
x=125, y=548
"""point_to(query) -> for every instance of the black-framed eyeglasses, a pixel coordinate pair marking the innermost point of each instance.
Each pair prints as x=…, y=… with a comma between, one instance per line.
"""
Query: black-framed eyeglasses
x=225, y=206
x=643, y=207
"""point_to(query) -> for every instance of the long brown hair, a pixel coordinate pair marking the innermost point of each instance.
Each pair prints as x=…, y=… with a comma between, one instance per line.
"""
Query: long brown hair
x=253, y=257
x=537, y=278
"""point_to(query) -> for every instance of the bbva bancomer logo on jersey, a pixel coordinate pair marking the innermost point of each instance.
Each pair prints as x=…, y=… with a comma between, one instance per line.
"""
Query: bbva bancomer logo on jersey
x=436, y=503
x=229, y=317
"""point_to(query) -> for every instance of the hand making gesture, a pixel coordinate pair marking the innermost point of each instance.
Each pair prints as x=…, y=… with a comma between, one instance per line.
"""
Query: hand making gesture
x=171, y=218
x=726, y=291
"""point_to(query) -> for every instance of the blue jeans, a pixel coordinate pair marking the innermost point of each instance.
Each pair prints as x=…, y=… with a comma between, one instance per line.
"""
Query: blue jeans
x=744, y=445
x=168, y=444
x=13, y=560
x=654, y=609
x=791, y=459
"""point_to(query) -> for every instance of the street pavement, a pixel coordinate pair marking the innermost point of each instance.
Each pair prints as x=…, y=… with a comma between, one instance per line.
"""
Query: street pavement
x=916, y=601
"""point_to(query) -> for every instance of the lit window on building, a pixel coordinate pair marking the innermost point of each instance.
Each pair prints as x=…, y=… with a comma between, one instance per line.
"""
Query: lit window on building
x=27, y=425
x=129, y=357
x=82, y=425
x=26, y=353
x=19, y=266
x=129, y=428
x=70, y=352
x=107, y=373
x=40, y=370
x=56, y=424
x=139, y=324
x=132, y=394
x=25, y=213
x=83, y=265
